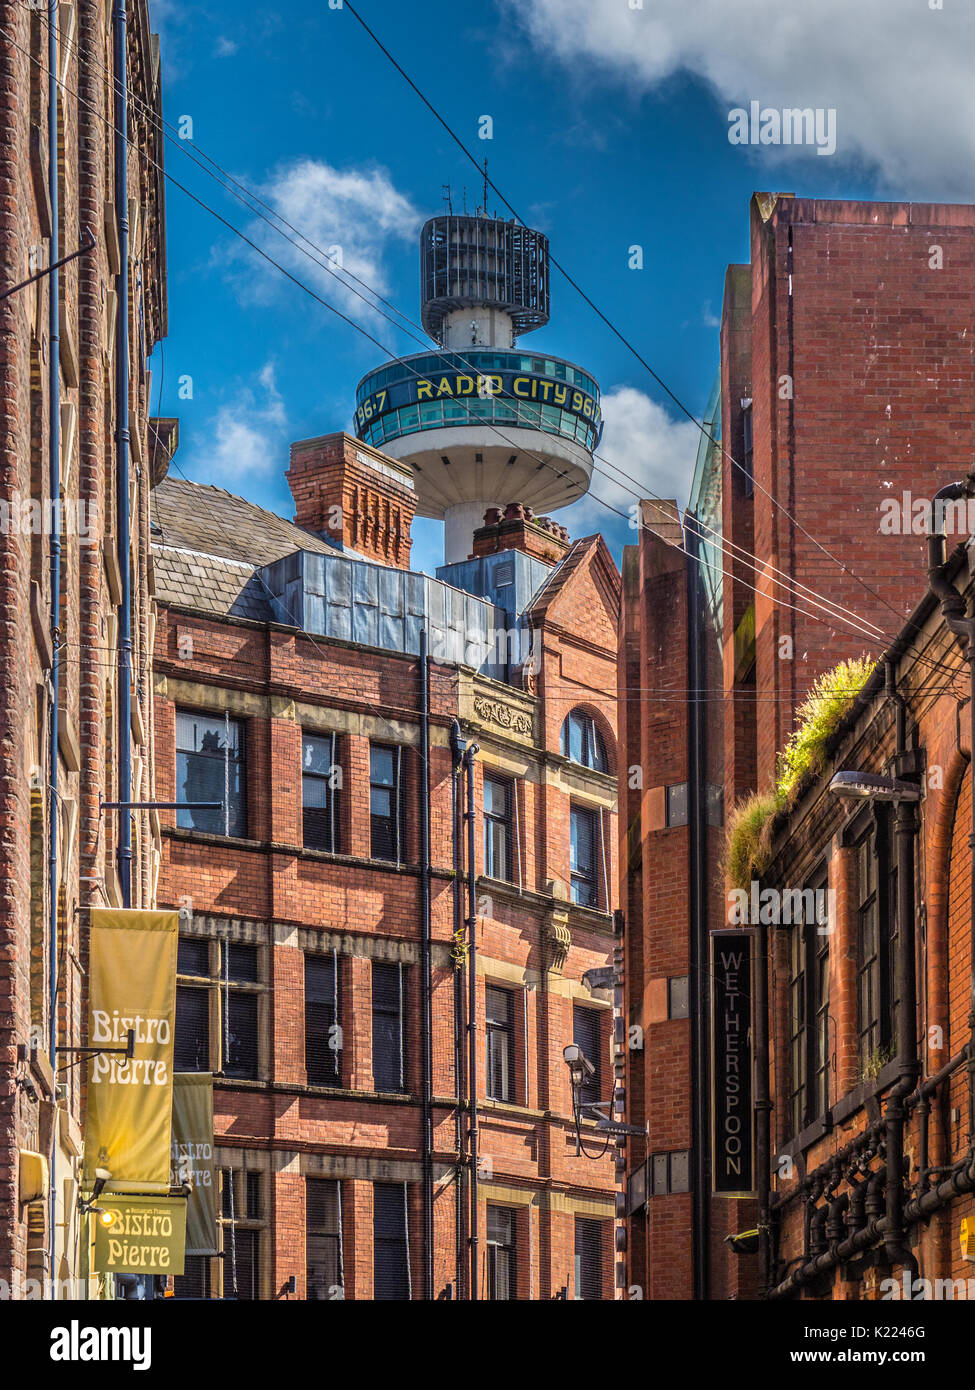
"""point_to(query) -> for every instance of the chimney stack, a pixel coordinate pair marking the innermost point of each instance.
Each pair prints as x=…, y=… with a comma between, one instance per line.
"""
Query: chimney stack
x=355, y=496
x=518, y=528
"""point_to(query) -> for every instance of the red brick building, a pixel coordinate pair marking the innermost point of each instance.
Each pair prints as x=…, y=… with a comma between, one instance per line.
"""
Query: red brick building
x=61, y=585
x=844, y=398
x=288, y=686
x=869, y=1008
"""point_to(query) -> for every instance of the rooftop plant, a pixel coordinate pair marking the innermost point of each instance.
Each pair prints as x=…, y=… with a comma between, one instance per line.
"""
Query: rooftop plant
x=817, y=719
x=749, y=843
x=749, y=839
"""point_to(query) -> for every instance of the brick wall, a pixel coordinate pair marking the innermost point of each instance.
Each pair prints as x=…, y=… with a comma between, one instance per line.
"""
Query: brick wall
x=86, y=624
x=290, y=900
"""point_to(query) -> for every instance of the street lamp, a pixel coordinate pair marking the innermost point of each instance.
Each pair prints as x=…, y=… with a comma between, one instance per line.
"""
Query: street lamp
x=871, y=786
x=102, y=1176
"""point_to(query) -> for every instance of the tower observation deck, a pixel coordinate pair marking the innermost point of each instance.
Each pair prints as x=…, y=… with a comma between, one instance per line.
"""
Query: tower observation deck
x=482, y=422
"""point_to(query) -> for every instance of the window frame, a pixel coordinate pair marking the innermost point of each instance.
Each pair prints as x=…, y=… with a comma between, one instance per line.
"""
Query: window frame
x=334, y=1006
x=322, y=1235
x=500, y=1032
x=332, y=806
x=577, y=876
x=397, y=816
x=870, y=843
x=185, y=818
x=398, y=1240
x=250, y=1227
x=590, y=1092
x=505, y=823
x=223, y=990
x=587, y=1225
x=809, y=995
x=400, y=1014
x=502, y=1255
x=748, y=446
x=595, y=755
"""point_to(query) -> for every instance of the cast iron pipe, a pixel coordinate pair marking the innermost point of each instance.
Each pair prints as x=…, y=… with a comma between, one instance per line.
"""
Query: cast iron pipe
x=908, y=1066
x=54, y=484
x=698, y=897
x=841, y=1250
x=426, y=969
x=121, y=80
x=955, y=613
x=763, y=1109
x=472, y=1015
x=460, y=1137
x=825, y=1169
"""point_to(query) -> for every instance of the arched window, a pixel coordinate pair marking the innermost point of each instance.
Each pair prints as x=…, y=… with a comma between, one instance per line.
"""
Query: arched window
x=582, y=741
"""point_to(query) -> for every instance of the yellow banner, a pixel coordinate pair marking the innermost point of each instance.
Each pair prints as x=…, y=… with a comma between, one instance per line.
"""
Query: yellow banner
x=193, y=1158
x=140, y=1235
x=132, y=985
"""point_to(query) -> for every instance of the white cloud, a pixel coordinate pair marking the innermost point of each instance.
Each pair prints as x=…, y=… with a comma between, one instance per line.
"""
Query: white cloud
x=161, y=13
x=247, y=435
x=656, y=452
x=897, y=72
x=225, y=48
x=352, y=216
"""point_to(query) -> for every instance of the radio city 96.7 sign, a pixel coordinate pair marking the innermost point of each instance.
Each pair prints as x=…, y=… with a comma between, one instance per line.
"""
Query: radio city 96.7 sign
x=528, y=387
x=732, y=1122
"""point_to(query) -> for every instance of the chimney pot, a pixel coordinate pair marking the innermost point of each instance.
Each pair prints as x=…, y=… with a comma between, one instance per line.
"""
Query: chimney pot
x=517, y=528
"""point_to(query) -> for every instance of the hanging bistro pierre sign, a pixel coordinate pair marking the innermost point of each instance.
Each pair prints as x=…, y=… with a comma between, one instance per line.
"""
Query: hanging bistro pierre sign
x=732, y=1110
x=140, y=1235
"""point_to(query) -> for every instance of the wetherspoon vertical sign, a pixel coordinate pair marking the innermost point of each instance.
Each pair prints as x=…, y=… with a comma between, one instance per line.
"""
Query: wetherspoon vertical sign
x=732, y=1115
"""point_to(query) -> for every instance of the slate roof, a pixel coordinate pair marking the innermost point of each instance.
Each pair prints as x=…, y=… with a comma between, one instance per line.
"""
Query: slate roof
x=207, y=545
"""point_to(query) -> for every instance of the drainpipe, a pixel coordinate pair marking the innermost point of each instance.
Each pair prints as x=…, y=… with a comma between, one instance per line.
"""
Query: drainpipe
x=698, y=903
x=124, y=851
x=426, y=969
x=763, y=1109
x=472, y=1017
x=54, y=485
x=856, y=1217
x=812, y=1195
x=817, y=1227
x=895, y=1235
x=954, y=611
x=835, y=1222
x=460, y=1138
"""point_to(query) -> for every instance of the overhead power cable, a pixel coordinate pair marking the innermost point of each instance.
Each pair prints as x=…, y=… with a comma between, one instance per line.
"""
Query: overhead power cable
x=857, y=624
x=763, y=569
x=190, y=150
x=570, y=279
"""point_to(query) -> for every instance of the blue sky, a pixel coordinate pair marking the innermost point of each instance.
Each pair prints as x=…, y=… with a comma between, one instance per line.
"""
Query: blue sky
x=610, y=129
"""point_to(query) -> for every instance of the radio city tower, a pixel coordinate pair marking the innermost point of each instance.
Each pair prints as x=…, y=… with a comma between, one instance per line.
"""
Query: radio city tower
x=482, y=422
